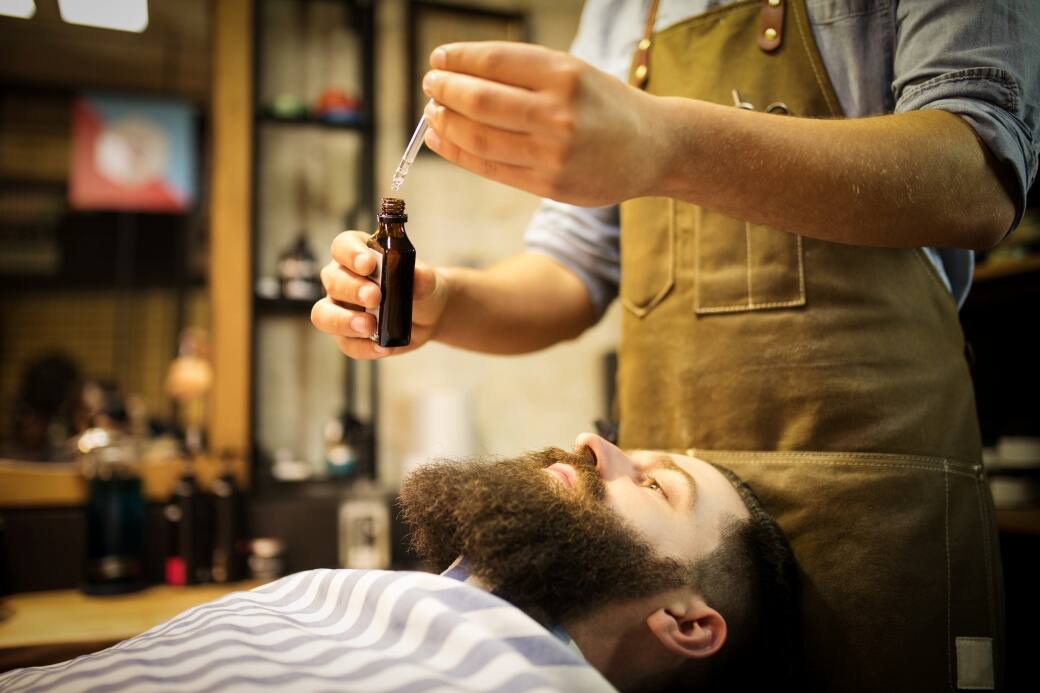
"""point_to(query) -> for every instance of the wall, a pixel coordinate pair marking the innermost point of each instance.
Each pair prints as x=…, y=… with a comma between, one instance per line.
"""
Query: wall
x=518, y=402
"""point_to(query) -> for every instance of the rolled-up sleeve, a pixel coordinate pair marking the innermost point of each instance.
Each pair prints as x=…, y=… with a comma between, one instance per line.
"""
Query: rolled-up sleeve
x=980, y=61
x=585, y=240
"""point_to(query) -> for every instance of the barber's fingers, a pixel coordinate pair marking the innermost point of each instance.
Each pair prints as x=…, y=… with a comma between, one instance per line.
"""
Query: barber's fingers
x=515, y=176
x=483, y=141
x=349, y=287
x=498, y=105
x=520, y=64
x=362, y=349
x=350, y=250
x=334, y=319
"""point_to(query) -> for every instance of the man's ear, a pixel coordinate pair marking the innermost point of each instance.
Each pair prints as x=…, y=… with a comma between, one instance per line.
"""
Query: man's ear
x=689, y=628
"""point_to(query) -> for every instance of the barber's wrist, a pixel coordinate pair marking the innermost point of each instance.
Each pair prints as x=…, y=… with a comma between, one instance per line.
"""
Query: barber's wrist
x=678, y=147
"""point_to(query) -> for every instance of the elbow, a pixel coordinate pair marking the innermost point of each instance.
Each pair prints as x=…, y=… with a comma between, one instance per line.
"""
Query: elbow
x=992, y=227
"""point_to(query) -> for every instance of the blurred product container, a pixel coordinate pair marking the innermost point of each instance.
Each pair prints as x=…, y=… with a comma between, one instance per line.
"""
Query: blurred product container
x=443, y=427
x=114, y=560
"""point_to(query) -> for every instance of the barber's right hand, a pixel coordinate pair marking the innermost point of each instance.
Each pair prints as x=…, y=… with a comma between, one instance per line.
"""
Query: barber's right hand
x=349, y=291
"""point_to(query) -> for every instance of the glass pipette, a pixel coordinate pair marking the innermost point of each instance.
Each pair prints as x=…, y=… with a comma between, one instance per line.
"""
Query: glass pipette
x=410, y=152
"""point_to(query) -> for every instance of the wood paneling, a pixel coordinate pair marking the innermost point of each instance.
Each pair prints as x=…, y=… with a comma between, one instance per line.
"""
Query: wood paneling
x=170, y=57
x=230, y=219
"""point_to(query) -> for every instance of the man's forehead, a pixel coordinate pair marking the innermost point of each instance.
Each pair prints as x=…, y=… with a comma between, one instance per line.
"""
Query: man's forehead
x=679, y=458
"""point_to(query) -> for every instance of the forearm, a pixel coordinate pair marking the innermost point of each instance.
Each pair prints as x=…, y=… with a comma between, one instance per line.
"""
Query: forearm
x=522, y=304
x=905, y=180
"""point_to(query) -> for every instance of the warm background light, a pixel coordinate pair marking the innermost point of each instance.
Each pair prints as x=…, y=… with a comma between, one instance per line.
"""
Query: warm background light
x=23, y=9
x=122, y=15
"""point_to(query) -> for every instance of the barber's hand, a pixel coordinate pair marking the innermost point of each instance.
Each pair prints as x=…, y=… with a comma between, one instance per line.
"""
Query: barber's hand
x=341, y=313
x=543, y=121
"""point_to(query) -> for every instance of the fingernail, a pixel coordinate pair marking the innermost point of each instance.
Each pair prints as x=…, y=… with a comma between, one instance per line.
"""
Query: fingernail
x=438, y=58
x=380, y=349
x=433, y=140
x=360, y=325
x=429, y=111
x=359, y=264
x=429, y=81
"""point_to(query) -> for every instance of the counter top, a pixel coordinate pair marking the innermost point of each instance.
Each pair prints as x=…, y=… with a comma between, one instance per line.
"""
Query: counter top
x=39, y=626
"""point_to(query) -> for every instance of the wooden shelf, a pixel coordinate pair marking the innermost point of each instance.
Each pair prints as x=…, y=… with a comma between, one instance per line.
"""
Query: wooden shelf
x=1006, y=268
x=360, y=124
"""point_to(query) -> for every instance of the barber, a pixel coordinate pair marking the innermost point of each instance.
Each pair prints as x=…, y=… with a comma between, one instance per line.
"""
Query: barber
x=790, y=272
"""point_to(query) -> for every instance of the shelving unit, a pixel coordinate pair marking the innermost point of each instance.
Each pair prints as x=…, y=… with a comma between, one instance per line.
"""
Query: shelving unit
x=278, y=322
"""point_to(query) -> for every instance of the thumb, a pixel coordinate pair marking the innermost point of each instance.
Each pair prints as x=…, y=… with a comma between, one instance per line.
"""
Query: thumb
x=426, y=282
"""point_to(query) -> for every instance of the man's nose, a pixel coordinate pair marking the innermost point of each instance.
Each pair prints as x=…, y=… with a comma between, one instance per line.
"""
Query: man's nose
x=611, y=461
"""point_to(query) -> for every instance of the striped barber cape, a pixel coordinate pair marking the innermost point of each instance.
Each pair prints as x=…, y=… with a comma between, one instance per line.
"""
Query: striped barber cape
x=333, y=630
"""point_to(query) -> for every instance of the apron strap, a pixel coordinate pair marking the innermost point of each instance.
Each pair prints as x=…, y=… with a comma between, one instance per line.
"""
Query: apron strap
x=771, y=25
x=770, y=36
x=641, y=73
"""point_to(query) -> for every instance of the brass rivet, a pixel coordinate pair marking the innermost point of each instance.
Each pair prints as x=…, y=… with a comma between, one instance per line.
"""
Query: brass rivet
x=774, y=3
x=771, y=34
x=641, y=72
x=644, y=44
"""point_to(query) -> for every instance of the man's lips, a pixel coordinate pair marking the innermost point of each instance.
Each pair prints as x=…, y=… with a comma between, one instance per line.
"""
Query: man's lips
x=565, y=472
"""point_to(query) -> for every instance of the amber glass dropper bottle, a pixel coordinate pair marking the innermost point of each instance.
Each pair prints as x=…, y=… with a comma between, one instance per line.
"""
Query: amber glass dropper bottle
x=395, y=274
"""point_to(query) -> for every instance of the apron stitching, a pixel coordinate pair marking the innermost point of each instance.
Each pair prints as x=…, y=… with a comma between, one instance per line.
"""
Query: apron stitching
x=983, y=516
x=801, y=270
x=848, y=458
x=747, y=261
x=750, y=304
x=644, y=310
x=812, y=62
x=949, y=587
x=744, y=306
x=968, y=469
x=697, y=259
x=875, y=465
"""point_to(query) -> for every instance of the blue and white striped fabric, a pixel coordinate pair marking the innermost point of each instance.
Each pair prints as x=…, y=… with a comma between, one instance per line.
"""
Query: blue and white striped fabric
x=333, y=630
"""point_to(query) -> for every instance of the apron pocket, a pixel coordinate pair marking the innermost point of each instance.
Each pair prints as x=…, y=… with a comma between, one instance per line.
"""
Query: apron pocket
x=741, y=267
x=648, y=252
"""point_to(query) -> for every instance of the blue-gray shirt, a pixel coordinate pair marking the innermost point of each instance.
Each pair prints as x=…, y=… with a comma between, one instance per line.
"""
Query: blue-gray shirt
x=979, y=59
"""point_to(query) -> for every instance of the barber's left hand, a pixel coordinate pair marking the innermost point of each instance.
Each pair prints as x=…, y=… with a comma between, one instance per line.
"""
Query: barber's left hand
x=543, y=121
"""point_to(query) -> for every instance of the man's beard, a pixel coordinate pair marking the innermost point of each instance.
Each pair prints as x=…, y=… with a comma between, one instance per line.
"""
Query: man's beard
x=555, y=552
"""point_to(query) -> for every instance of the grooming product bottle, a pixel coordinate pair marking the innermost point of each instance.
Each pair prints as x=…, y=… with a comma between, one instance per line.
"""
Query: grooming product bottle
x=395, y=273
x=115, y=522
x=191, y=565
x=229, y=531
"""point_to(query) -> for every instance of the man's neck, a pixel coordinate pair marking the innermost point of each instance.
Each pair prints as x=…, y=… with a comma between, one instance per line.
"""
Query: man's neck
x=618, y=643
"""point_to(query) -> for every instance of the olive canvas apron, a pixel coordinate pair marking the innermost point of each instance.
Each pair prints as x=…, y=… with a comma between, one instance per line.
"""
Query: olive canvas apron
x=832, y=378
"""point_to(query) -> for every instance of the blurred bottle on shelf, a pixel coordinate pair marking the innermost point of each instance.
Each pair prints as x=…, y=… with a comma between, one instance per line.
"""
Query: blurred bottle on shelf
x=364, y=528
x=189, y=557
x=341, y=457
x=337, y=106
x=230, y=547
x=267, y=558
x=114, y=561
